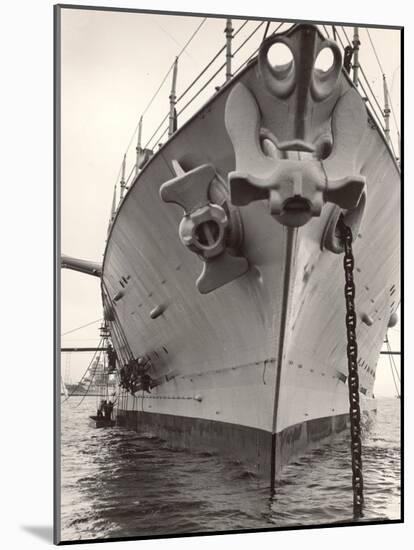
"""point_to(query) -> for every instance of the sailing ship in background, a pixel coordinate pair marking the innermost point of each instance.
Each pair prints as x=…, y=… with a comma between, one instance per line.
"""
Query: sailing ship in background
x=99, y=379
x=222, y=279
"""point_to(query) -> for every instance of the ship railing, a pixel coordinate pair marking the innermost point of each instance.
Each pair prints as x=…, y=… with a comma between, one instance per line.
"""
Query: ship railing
x=338, y=33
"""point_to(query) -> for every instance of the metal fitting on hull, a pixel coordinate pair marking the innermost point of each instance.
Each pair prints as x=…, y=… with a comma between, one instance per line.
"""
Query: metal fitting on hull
x=296, y=188
x=204, y=226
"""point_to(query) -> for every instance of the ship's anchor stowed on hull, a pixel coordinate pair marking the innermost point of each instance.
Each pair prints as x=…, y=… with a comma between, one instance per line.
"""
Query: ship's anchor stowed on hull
x=297, y=189
x=317, y=116
x=205, y=227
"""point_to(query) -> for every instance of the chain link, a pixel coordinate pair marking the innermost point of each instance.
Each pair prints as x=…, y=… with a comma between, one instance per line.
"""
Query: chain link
x=353, y=379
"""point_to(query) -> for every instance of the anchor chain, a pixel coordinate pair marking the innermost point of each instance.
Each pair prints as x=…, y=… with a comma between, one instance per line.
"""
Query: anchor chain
x=353, y=378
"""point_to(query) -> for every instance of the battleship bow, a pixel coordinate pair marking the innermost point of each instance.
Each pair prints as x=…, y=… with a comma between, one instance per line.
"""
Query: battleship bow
x=239, y=320
x=268, y=160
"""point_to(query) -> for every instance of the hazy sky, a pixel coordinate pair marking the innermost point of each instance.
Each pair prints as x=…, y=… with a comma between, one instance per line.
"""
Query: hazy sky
x=112, y=63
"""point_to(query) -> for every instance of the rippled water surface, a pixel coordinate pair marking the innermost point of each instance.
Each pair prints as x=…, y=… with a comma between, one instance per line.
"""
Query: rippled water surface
x=119, y=483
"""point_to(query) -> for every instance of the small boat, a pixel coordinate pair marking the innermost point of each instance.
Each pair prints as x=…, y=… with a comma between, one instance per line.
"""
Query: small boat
x=101, y=422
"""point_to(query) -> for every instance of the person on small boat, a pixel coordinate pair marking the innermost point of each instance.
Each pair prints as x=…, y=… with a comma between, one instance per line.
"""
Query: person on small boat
x=101, y=408
x=108, y=410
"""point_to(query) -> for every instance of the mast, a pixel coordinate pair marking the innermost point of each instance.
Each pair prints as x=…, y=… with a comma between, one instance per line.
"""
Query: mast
x=229, y=36
x=138, y=147
x=122, y=182
x=387, y=109
x=356, y=43
x=172, y=118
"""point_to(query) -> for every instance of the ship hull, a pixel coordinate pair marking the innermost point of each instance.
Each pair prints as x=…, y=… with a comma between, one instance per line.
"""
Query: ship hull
x=261, y=452
x=256, y=369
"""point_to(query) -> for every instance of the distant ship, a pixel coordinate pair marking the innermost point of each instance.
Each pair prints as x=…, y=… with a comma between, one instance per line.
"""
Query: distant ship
x=222, y=279
x=99, y=380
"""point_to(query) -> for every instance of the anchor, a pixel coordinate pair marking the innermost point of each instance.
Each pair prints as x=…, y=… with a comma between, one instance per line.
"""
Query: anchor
x=204, y=227
x=297, y=189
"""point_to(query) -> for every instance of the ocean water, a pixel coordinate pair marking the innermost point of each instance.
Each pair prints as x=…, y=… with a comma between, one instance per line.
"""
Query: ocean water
x=119, y=483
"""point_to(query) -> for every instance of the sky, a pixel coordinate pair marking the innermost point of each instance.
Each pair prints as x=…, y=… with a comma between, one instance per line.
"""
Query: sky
x=112, y=63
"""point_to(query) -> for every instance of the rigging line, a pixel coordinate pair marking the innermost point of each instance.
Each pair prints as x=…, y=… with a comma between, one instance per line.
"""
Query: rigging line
x=363, y=73
x=191, y=85
x=201, y=74
x=374, y=112
x=222, y=66
x=209, y=81
x=393, y=76
x=390, y=99
x=167, y=33
x=130, y=174
x=248, y=38
x=376, y=100
x=370, y=102
x=338, y=37
x=266, y=30
x=122, y=344
x=395, y=383
x=391, y=355
x=392, y=359
x=360, y=67
x=119, y=345
x=393, y=377
x=119, y=173
x=163, y=81
x=392, y=106
x=326, y=31
x=346, y=36
x=192, y=36
x=210, y=63
x=393, y=114
x=370, y=89
x=375, y=52
x=90, y=383
x=121, y=350
x=83, y=326
x=148, y=106
x=201, y=89
x=156, y=131
x=155, y=94
x=174, y=40
x=395, y=366
x=92, y=339
x=119, y=326
x=84, y=374
x=255, y=52
x=159, y=138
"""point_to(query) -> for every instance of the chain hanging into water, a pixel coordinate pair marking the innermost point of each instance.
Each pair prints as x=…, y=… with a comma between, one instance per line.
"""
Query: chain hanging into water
x=353, y=379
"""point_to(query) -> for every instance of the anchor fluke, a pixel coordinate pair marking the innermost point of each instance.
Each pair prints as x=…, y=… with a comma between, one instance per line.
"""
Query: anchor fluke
x=204, y=227
x=346, y=192
x=219, y=271
x=190, y=189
